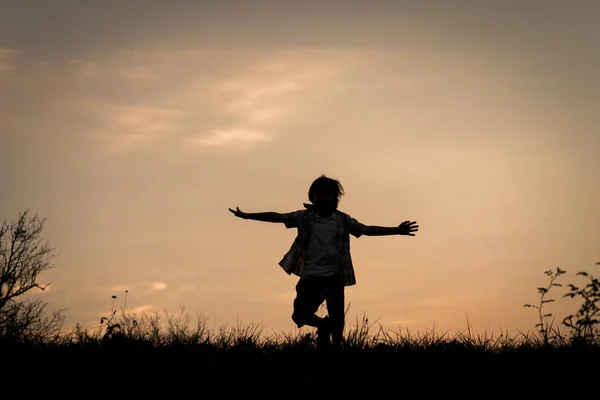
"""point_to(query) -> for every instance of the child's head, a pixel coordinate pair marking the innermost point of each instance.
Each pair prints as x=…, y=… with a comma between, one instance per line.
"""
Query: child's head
x=325, y=193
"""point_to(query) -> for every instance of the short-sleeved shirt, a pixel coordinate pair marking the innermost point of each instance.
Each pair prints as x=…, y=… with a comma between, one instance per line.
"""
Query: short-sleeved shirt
x=321, y=257
x=293, y=261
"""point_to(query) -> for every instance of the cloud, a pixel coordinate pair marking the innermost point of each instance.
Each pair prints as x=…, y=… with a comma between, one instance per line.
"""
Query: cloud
x=158, y=286
x=219, y=100
x=125, y=127
x=133, y=289
x=259, y=95
x=213, y=99
x=242, y=137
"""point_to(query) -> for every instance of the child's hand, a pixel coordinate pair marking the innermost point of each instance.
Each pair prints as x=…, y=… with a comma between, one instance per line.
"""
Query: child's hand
x=407, y=227
x=238, y=213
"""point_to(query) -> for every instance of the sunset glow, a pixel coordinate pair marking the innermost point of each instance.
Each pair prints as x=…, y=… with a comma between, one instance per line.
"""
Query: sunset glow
x=133, y=131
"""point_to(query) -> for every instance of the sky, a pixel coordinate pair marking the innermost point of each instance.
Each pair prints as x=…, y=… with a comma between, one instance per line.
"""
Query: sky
x=131, y=127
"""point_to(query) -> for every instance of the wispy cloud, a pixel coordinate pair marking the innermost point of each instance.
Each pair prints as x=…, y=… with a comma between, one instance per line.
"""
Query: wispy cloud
x=258, y=99
x=236, y=137
x=238, y=106
x=258, y=96
x=125, y=127
x=135, y=288
x=158, y=286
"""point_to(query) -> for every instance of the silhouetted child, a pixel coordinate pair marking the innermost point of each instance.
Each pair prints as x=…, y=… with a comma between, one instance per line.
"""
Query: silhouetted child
x=320, y=256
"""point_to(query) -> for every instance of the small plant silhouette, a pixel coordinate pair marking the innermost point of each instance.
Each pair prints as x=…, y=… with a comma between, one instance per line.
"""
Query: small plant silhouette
x=114, y=330
x=544, y=327
x=584, y=320
x=111, y=327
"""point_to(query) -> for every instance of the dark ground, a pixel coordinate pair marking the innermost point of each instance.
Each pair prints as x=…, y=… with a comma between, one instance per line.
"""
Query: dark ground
x=203, y=371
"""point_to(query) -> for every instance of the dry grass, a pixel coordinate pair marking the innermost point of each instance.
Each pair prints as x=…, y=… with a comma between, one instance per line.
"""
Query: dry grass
x=179, y=346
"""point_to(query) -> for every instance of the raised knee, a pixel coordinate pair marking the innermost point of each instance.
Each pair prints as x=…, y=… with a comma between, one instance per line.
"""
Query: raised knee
x=299, y=319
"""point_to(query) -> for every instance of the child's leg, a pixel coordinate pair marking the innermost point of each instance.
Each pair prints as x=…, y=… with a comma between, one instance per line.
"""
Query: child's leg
x=307, y=302
x=335, y=309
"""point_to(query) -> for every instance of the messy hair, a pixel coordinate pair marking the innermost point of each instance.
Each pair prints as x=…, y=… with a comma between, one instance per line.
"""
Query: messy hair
x=324, y=184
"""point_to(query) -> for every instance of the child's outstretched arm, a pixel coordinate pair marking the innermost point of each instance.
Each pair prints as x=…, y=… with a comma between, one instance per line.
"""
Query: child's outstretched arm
x=405, y=228
x=262, y=216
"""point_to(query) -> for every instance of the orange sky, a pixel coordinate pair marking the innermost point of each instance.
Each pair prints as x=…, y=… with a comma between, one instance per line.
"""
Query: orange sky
x=132, y=129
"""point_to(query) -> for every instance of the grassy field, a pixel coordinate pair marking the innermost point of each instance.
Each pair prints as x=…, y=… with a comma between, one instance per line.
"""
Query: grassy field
x=243, y=361
x=132, y=355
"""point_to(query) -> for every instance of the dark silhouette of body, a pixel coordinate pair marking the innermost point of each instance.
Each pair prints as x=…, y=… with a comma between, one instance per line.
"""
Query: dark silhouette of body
x=320, y=256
